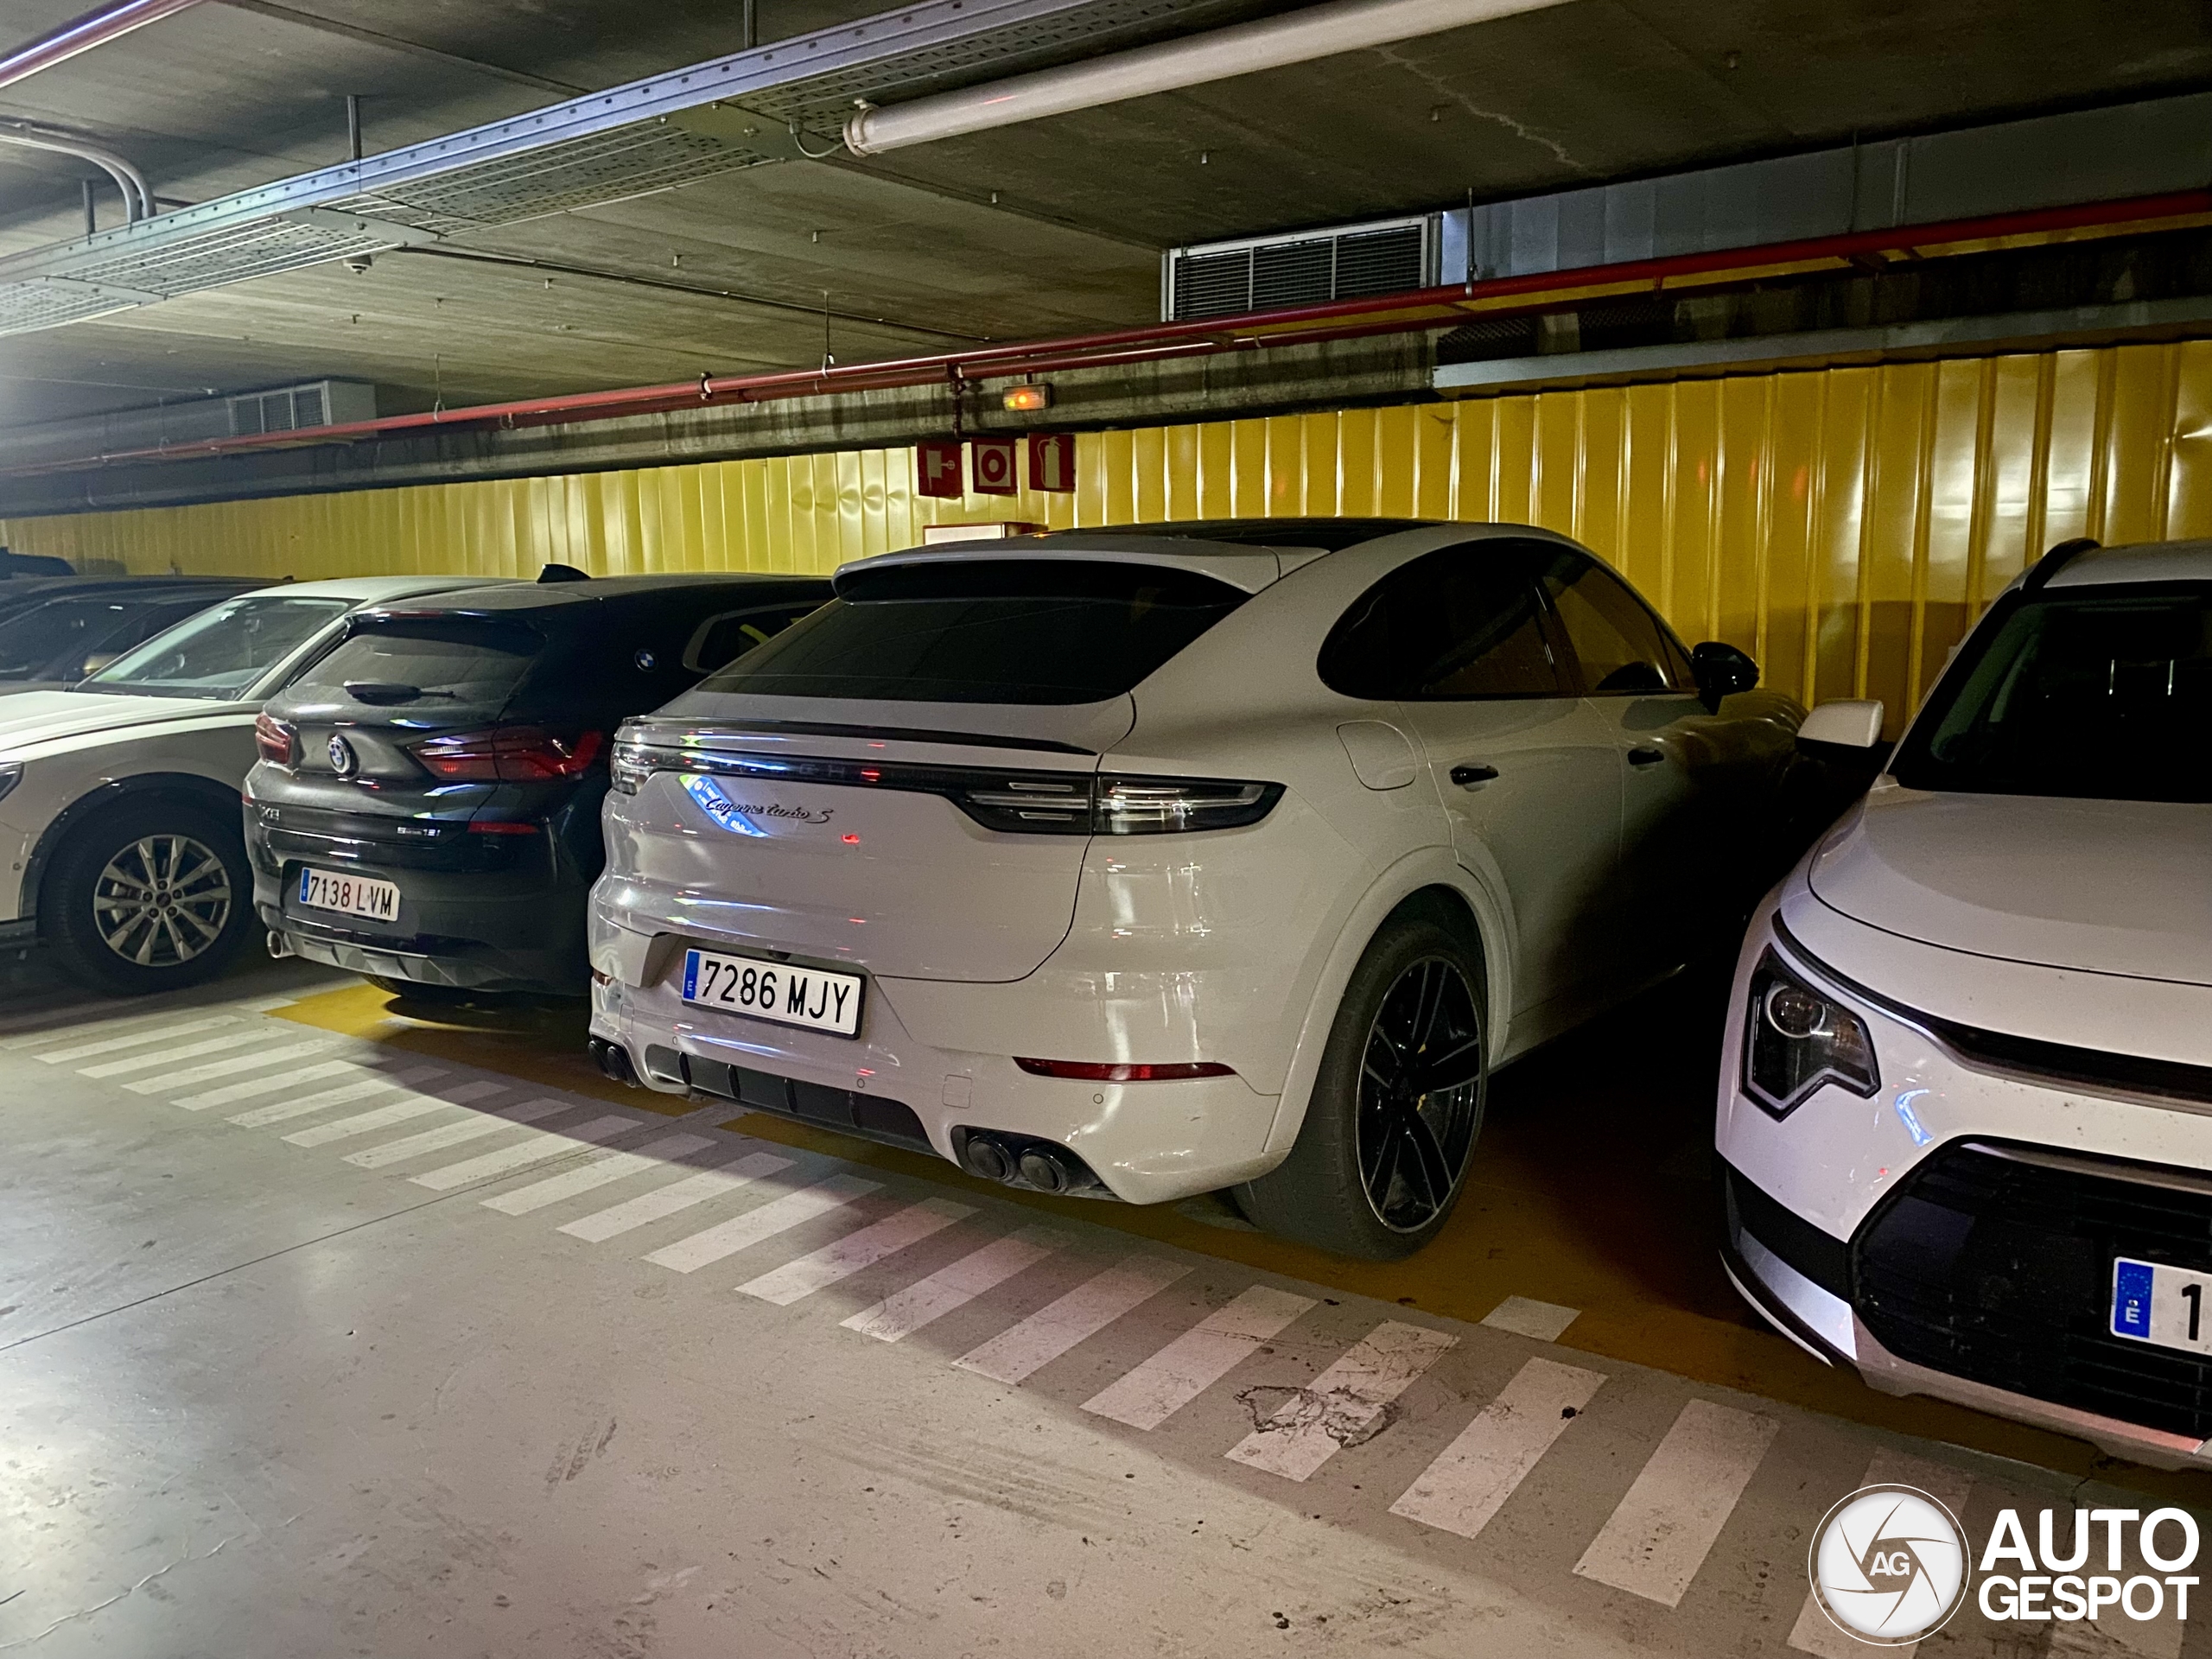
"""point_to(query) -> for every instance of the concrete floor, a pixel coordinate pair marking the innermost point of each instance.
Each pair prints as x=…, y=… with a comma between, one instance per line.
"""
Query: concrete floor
x=322, y=1333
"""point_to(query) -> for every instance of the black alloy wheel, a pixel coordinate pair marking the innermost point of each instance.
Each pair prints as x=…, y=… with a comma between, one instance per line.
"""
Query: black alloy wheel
x=1420, y=1089
x=1398, y=1101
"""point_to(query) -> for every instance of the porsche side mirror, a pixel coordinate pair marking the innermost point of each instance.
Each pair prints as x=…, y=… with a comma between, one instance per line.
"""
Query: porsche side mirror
x=1849, y=723
x=1720, y=669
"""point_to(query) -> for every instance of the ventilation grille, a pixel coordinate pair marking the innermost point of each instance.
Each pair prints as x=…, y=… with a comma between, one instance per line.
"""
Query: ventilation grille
x=282, y=409
x=1269, y=273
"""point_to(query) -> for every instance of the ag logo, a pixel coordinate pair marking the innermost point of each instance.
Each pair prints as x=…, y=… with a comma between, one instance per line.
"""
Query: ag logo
x=1889, y=1564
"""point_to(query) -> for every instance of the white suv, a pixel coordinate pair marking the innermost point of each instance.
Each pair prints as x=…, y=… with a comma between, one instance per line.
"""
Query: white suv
x=1139, y=864
x=120, y=834
x=1965, y=1097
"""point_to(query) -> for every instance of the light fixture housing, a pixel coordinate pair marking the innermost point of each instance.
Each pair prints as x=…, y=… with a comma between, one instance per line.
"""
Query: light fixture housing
x=1026, y=399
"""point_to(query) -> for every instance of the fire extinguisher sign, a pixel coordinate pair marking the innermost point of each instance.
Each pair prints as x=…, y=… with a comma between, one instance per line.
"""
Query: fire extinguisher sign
x=1051, y=462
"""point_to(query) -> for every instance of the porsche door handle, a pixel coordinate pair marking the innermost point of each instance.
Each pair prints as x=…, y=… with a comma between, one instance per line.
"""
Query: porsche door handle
x=1468, y=776
x=1647, y=757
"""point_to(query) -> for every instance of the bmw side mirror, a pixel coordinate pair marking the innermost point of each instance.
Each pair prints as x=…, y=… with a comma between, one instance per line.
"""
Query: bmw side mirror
x=1720, y=669
x=1849, y=723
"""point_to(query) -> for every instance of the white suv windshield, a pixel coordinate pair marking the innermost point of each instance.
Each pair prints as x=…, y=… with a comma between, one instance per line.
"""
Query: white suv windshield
x=221, y=653
x=2101, y=693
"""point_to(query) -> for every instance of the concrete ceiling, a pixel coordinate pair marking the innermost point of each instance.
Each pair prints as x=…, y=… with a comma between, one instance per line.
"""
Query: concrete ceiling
x=1049, y=228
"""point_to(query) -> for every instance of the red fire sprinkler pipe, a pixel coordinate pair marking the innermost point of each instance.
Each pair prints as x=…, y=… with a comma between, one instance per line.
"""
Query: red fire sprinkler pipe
x=93, y=28
x=1434, y=309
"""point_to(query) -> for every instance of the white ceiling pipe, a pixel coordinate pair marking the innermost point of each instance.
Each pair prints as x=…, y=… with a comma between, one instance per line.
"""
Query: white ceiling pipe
x=1295, y=37
x=82, y=34
x=137, y=195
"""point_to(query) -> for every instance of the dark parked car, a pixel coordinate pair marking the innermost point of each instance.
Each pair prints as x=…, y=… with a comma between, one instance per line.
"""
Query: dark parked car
x=55, y=632
x=425, y=811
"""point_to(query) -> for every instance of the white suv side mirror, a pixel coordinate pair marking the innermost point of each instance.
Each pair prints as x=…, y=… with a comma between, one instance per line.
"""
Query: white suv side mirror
x=1851, y=723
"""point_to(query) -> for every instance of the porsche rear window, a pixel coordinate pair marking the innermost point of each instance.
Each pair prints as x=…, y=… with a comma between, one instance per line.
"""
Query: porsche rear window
x=1015, y=631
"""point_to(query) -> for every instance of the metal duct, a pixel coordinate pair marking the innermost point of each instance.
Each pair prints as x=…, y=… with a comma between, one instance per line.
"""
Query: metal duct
x=1272, y=43
x=654, y=134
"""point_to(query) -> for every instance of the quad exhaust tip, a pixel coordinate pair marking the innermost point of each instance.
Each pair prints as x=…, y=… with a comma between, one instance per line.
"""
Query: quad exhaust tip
x=1025, y=1161
x=614, y=1060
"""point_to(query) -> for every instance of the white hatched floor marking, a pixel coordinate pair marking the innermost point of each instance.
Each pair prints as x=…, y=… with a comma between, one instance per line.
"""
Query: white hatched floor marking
x=1470, y=1479
x=955, y=1285
x=603, y=1168
x=1815, y=1631
x=231, y=1067
x=232, y=1093
x=455, y=1135
x=375, y=1084
x=1526, y=1316
x=899, y=1230
x=1060, y=1325
x=1198, y=1359
x=1661, y=1531
x=524, y=1153
x=1306, y=1430
x=383, y=1117
x=111, y=1045
x=189, y=1051
x=777, y=1215
x=676, y=1196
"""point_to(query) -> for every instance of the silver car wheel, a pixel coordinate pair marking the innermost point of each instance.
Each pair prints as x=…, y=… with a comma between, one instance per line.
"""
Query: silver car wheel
x=1420, y=1085
x=161, y=901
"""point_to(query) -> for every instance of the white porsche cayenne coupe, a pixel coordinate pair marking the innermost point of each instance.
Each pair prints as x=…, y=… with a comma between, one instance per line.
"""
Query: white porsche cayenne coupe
x=1138, y=864
x=1966, y=1099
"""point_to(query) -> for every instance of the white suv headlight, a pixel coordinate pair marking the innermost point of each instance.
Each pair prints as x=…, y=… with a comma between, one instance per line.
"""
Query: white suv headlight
x=1797, y=1039
x=12, y=773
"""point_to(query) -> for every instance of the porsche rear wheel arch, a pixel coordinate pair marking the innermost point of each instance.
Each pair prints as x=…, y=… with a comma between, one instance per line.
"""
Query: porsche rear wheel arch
x=1421, y=984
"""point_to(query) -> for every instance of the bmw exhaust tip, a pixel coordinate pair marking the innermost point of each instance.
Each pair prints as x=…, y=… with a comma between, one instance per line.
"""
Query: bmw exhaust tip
x=279, y=946
x=614, y=1061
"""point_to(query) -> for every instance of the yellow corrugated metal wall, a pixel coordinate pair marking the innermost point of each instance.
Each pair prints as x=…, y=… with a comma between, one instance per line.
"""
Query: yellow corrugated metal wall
x=1844, y=525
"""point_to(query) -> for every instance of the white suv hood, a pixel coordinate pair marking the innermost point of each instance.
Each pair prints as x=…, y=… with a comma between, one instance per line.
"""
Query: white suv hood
x=2106, y=887
x=36, y=718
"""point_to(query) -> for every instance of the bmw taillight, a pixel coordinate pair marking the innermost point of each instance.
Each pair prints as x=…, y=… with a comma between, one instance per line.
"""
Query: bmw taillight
x=512, y=755
x=276, y=742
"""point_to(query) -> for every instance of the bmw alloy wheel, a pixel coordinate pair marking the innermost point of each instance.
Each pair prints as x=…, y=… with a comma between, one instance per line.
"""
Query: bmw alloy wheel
x=161, y=901
x=1420, y=1094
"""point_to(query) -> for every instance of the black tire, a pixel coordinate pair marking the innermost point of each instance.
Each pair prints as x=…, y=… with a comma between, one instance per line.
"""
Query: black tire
x=149, y=895
x=1379, y=1163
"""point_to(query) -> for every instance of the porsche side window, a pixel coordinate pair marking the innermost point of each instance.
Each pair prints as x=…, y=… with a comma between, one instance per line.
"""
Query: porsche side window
x=1462, y=622
x=1621, y=646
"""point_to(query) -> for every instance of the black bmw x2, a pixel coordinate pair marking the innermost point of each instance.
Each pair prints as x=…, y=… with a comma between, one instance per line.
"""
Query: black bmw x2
x=425, y=810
